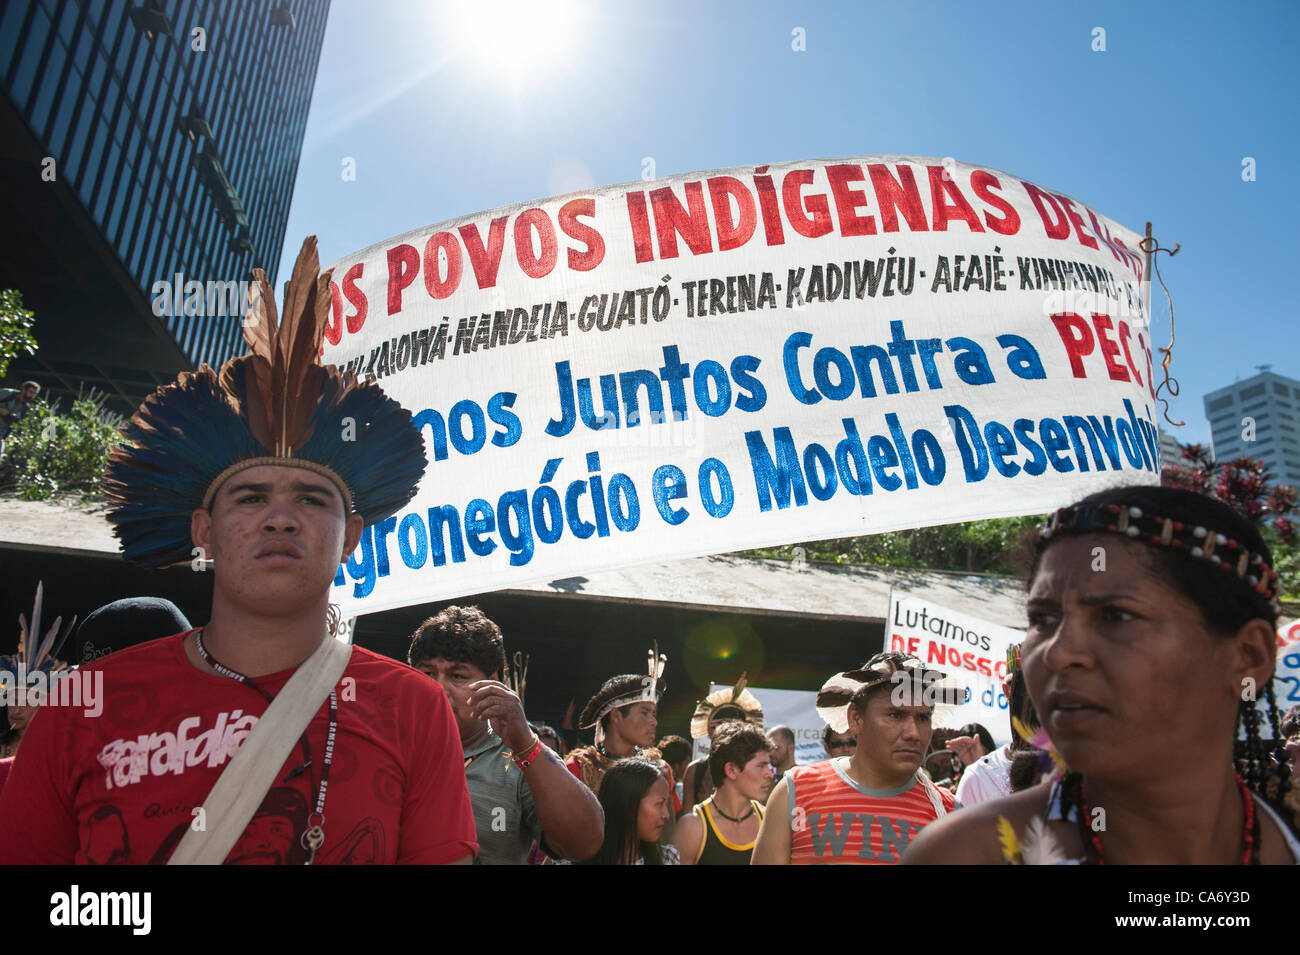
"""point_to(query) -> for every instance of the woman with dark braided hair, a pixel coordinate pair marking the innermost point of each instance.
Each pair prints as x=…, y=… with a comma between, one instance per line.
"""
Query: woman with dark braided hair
x=1151, y=642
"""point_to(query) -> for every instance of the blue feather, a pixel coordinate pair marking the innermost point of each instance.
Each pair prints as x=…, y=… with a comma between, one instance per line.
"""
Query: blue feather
x=186, y=434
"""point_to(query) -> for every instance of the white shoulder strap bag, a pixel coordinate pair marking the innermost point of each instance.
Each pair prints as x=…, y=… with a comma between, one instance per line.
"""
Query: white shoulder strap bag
x=932, y=793
x=249, y=774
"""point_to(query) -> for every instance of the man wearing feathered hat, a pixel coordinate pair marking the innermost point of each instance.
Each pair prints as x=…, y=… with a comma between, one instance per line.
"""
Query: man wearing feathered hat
x=269, y=469
x=865, y=808
x=720, y=706
x=624, y=713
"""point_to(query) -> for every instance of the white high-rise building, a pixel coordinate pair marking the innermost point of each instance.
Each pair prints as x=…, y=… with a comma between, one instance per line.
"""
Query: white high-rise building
x=1258, y=418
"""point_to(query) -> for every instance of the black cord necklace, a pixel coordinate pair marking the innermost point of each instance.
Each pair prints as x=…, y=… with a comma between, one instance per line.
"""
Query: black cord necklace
x=314, y=835
x=718, y=810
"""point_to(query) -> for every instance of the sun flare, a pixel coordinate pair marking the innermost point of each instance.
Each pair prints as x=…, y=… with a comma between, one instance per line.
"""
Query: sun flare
x=516, y=41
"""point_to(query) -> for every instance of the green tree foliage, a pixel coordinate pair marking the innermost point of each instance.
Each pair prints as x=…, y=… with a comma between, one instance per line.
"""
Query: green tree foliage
x=1286, y=561
x=15, y=329
x=49, y=454
x=985, y=547
x=1246, y=485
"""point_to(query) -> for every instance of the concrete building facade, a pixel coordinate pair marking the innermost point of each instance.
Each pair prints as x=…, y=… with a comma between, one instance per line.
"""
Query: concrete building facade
x=1258, y=418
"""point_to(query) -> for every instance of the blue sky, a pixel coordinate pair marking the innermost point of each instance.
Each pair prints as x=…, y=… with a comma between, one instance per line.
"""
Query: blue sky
x=1155, y=128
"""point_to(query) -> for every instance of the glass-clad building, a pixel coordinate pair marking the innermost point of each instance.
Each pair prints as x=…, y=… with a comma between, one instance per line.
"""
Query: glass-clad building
x=148, y=151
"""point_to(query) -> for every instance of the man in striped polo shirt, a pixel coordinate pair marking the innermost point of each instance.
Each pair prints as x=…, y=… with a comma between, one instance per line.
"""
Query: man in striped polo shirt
x=861, y=809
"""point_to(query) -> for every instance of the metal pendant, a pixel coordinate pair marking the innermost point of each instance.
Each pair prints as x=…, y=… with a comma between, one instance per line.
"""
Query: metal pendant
x=313, y=839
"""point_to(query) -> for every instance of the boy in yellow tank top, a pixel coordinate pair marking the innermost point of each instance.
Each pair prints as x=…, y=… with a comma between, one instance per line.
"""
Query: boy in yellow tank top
x=722, y=829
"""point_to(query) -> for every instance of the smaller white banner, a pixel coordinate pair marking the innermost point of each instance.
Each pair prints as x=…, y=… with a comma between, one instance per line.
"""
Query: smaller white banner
x=971, y=651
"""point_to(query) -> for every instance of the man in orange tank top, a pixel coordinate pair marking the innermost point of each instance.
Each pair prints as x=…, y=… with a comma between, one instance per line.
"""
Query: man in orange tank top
x=865, y=808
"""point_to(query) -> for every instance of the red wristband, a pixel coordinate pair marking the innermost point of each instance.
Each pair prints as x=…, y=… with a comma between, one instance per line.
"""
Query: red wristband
x=523, y=762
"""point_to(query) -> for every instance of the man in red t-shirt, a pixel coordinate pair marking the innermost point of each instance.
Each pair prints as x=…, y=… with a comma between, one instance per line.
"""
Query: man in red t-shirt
x=865, y=808
x=124, y=787
x=248, y=468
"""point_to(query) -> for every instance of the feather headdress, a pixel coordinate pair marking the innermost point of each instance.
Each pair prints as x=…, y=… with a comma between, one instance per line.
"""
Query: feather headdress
x=899, y=669
x=35, y=654
x=275, y=405
x=625, y=690
x=733, y=703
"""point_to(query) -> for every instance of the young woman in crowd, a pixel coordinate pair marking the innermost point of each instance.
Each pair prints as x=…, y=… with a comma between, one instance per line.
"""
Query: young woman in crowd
x=1151, y=640
x=637, y=802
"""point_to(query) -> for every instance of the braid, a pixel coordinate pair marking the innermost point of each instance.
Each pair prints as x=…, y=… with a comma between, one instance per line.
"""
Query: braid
x=1266, y=768
x=1072, y=801
x=1250, y=762
x=1279, y=753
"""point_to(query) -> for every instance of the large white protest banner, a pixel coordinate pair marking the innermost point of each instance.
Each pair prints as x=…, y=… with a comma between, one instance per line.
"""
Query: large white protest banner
x=972, y=652
x=796, y=709
x=747, y=357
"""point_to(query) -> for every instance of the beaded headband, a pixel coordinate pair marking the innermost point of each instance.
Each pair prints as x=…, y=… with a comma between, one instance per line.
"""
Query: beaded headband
x=645, y=689
x=1196, y=540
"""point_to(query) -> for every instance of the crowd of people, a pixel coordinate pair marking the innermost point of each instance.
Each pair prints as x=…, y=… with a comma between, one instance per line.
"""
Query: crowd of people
x=1145, y=729
x=626, y=799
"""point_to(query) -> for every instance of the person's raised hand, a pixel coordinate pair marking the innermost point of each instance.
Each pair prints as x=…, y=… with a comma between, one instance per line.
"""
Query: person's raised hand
x=967, y=748
x=497, y=703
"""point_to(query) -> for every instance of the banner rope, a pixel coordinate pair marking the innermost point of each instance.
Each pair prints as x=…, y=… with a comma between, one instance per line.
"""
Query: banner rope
x=1152, y=247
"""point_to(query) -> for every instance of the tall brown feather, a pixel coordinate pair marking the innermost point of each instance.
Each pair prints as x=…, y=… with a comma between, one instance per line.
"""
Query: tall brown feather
x=301, y=284
x=260, y=320
x=283, y=376
x=257, y=404
x=306, y=311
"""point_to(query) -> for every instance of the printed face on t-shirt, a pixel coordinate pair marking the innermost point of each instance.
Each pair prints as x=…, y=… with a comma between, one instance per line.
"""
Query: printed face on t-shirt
x=268, y=840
